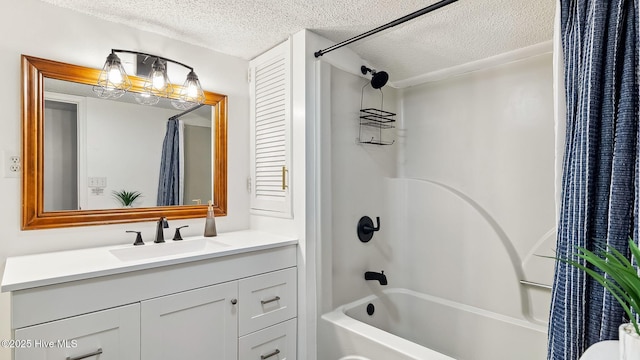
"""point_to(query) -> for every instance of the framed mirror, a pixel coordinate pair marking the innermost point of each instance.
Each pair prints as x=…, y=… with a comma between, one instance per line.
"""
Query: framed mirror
x=46, y=90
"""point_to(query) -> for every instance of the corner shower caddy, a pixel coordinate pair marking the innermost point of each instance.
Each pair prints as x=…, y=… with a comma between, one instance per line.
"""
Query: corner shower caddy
x=376, y=118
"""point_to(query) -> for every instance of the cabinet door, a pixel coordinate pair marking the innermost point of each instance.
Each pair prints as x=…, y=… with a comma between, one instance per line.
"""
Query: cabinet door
x=198, y=324
x=112, y=334
x=270, y=114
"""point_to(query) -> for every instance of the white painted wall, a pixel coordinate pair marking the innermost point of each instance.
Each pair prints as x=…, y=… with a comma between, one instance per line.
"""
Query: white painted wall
x=46, y=31
x=484, y=142
x=124, y=146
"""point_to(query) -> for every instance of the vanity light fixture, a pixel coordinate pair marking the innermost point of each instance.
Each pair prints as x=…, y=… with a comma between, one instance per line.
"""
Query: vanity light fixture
x=113, y=82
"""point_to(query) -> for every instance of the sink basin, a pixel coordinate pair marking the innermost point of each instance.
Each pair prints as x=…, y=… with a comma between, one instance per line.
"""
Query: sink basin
x=169, y=248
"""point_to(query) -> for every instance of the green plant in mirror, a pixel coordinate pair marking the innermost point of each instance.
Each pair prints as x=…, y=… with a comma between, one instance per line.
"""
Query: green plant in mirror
x=126, y=198
x=618, y=275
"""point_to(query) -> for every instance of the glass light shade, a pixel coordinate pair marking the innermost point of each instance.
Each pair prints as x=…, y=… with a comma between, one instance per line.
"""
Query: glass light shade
x=113, y=81
x=157, y=84
x=191, y=93
x=146, y=99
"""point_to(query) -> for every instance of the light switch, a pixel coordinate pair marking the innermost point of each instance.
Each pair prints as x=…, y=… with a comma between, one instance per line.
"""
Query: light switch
x=97, y=182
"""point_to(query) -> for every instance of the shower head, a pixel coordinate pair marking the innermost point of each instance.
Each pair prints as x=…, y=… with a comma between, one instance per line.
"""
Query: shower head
x=378, y=78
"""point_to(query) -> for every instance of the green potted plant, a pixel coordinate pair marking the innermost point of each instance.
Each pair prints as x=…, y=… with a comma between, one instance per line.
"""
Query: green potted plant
x=126, y=198
x=621, y=279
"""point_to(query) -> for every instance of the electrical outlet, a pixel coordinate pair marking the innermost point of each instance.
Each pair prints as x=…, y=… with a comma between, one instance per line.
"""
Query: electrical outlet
x=12, y=165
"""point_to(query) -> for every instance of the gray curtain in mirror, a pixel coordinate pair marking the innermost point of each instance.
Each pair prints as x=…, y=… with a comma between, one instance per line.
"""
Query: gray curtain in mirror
x=169, y=182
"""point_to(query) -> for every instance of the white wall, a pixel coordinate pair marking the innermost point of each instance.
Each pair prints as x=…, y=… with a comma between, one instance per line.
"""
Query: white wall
x=484, y=142
x=124, y=146
x=39, y=29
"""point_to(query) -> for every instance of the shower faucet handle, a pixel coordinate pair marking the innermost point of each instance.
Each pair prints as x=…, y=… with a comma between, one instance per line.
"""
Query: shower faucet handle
x=366, y=228
x=370, y=228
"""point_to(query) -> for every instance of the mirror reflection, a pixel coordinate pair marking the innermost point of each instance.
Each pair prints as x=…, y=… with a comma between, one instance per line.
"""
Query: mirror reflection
x=106, y=154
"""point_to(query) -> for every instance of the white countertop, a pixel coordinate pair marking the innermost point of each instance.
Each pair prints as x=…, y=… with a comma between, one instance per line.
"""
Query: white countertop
x=29, y=271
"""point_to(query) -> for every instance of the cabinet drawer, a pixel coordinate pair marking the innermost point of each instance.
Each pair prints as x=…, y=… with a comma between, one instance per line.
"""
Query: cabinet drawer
x=112, y=334
x=266, y=300
x=277, y=342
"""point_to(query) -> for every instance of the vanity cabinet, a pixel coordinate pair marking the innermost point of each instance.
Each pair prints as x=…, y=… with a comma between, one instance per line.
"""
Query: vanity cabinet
x=223, y=308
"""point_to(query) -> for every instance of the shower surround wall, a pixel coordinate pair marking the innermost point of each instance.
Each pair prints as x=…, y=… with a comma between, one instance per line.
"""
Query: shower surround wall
x=465, y=196
x=358, y=184
x=481, y=147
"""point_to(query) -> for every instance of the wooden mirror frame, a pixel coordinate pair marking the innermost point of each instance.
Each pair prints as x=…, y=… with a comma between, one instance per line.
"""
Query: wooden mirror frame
x=34, y=71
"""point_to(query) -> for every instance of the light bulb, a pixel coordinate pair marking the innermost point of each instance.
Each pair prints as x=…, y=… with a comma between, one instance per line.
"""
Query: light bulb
x=115, y=77
x=158, y=81
x=192, y=91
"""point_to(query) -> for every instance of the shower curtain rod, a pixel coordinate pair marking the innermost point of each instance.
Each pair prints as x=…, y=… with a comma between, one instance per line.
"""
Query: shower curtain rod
x=186, y=111
x=405, y=18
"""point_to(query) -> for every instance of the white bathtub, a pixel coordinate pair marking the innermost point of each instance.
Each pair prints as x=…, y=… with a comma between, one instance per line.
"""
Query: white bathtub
x=410, y=325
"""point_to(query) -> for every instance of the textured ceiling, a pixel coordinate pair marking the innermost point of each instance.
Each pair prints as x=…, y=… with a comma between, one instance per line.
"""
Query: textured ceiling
x=465, y=31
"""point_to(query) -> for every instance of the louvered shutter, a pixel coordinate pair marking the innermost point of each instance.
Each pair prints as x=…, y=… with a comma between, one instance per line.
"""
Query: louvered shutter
x=270, y=87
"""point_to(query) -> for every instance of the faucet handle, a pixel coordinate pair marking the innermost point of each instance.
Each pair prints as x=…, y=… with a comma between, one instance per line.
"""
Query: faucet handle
x=138, y=237
x=366, y=229
x=177, y=235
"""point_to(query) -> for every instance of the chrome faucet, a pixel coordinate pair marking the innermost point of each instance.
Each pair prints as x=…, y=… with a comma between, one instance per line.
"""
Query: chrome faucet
x=372, y=275
x=162, y=224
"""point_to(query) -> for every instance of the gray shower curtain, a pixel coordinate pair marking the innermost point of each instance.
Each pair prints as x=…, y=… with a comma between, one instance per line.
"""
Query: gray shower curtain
x=169, y=183
x=600, y=171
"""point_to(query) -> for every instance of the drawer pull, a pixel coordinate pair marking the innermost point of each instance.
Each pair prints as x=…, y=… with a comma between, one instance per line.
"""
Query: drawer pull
x=273, y=353
x=265, y=302
x=97, y=352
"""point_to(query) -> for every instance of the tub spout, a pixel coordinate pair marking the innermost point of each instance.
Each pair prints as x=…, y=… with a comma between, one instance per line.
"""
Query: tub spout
x=380, y=277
